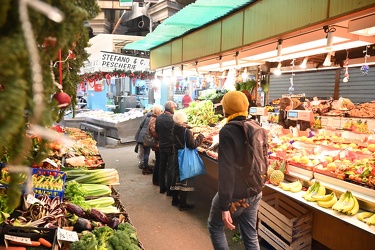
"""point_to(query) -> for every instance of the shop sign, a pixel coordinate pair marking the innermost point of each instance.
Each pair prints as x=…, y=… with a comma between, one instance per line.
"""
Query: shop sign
x=113, y=61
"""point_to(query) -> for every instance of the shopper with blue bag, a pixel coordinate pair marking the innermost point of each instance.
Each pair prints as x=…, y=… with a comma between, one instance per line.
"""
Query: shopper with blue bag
x=184, y=138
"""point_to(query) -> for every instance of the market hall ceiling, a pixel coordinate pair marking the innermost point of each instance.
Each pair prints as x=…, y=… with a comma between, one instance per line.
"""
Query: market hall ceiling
x=190, y=18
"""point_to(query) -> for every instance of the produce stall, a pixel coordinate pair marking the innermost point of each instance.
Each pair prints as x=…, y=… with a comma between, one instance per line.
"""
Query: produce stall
x=341, y=161
x=70, y=200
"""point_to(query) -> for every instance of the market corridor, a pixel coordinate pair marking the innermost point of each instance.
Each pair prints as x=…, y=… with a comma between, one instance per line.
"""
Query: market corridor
x=161, y=225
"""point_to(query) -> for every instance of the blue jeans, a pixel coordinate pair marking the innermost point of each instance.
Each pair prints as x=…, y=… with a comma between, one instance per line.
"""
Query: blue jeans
x=247, y=221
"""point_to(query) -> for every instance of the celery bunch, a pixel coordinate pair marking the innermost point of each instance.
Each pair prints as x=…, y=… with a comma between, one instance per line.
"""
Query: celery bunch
x=107, y=176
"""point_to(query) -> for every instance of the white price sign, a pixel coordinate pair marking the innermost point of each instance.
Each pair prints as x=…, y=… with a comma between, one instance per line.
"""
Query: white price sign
x=17, y=239
x=66, y=235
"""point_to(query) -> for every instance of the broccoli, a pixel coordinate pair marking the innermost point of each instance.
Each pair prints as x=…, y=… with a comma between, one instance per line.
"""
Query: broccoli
x=87, y=241
x=120, y=240
x=103, y=234
x=130, y=230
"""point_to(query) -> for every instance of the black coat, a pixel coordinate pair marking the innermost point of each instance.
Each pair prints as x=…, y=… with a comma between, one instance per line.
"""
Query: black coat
x=164, y=127
x=232, y=157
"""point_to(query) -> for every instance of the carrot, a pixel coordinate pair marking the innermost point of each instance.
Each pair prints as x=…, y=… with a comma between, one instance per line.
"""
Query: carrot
x=12, y=248
x=32, y=244
x=45, y=242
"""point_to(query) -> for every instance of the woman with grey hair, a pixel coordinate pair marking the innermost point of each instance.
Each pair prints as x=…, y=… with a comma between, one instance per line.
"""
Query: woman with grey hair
x=180, y=188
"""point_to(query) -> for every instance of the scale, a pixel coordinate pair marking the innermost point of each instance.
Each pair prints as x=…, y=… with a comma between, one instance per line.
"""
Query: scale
x=258, y=111
x=300, y=115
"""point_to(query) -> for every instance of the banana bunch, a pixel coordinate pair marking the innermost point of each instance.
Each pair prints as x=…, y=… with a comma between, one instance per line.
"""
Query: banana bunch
x=316, y=189
x=347, y=204
x=366, y=217
x=294, y=187
x=326, y=201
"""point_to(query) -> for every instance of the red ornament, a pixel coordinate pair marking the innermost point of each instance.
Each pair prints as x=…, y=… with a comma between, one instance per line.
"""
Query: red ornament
x=63, y=100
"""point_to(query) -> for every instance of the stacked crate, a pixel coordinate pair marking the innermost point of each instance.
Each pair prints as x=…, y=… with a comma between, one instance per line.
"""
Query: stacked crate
x=283, y=223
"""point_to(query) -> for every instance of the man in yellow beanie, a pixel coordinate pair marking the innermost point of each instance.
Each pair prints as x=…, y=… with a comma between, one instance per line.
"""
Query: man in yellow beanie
x=232, y=199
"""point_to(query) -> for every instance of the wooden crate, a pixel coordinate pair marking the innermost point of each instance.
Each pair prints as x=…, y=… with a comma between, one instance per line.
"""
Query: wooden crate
x=284, y=223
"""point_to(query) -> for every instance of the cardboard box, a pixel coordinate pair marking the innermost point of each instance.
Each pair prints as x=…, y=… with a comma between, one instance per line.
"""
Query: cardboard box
x=283, y=223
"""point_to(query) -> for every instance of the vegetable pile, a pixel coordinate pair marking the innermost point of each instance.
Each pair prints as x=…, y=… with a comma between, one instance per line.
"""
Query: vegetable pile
x=201, y=113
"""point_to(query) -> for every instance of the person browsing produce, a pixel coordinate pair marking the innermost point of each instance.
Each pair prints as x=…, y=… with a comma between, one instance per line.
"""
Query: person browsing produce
x=232, y=196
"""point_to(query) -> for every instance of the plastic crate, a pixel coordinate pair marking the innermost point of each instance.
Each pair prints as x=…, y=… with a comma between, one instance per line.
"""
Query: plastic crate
x=52, y=193
x=283, y=223
x=34, y=233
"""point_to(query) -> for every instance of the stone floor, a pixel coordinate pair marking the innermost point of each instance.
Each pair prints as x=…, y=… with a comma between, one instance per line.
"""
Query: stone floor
x=160, y=225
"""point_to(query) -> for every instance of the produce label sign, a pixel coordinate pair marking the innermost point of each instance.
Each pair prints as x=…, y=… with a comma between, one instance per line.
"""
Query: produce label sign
x=66, y=235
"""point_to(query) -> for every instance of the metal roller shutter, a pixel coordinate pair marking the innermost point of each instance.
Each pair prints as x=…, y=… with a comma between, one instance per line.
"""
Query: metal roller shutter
x=360, y=88
x=317, y=83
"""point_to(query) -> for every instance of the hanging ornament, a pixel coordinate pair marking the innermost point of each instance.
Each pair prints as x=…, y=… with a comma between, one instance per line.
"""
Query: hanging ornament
x=365, y=67
x=291, y=88
x=346, y=66
x=63, y=99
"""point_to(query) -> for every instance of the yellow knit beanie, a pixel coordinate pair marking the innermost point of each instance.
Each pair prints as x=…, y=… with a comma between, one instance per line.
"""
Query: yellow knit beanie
x=235, y=102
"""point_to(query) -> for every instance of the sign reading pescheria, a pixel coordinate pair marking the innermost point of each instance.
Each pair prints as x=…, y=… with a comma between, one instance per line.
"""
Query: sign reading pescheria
x=108, y=62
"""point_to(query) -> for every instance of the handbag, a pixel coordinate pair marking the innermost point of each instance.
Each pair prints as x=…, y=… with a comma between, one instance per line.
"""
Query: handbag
x=189, y=162
x=150, y=141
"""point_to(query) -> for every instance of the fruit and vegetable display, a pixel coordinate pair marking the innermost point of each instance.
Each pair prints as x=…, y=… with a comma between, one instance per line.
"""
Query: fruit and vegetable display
x=67, y=193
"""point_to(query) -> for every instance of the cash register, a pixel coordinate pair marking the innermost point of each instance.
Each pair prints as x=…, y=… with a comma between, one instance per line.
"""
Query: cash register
x=300, y=115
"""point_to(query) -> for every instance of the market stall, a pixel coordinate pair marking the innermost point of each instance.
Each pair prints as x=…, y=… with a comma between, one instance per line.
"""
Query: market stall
x=70, y=200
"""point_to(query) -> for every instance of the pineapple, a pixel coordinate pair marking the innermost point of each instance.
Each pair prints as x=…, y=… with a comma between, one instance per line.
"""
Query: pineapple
x=277, y=175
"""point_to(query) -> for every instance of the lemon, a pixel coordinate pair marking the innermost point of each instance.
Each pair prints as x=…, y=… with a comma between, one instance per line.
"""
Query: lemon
x=328, y=159
x=304, y=160
x=296, y=158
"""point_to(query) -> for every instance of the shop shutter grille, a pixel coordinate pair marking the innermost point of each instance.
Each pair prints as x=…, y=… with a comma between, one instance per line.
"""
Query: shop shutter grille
x=360, y=88
x=316, y=83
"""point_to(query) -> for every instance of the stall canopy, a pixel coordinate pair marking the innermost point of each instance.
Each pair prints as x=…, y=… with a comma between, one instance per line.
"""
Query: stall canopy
x=192, y=17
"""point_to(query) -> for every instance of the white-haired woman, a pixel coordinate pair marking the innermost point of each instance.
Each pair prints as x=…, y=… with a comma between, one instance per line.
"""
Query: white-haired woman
x=157, y=109
x=180, y=188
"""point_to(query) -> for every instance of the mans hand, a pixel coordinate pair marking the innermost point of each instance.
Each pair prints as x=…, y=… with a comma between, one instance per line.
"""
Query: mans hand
x=239, y=203
x=227, y=219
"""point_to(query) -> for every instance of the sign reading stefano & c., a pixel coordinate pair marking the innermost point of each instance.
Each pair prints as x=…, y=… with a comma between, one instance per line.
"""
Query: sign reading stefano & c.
x=108, y=62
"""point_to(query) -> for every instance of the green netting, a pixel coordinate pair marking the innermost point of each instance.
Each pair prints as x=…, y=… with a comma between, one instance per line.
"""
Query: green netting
x=193, y=16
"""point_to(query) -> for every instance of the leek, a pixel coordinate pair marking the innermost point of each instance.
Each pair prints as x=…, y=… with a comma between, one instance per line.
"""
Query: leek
x=98, y=176
x=96, y=189
x=100, y=202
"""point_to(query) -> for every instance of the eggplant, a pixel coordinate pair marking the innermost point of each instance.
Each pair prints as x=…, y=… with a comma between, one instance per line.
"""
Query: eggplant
x=82, y=224
x=113, y=223
x=98, y=216
x=74, y=209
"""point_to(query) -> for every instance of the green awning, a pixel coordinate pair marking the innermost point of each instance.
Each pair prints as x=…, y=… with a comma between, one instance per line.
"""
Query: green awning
x=193, y=16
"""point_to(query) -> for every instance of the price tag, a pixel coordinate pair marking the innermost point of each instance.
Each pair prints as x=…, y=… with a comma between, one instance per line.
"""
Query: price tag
x=66, y=235
x=17, y=239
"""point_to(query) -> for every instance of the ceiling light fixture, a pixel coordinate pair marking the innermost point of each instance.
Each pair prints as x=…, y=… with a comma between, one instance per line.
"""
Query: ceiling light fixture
x=329, y=30
x=279, y=49
x=237, y=60
x=327, y=61
x=278, y=70
x=303, y=65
